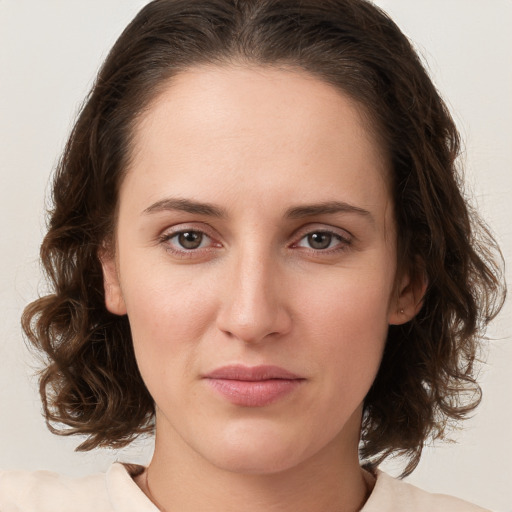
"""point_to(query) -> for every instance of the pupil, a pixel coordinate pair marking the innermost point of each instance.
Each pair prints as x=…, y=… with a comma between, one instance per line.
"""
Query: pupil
x=190, y=239
x=319, y=240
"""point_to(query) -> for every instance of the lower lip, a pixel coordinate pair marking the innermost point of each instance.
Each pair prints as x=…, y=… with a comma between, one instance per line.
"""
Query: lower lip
x=254, y=393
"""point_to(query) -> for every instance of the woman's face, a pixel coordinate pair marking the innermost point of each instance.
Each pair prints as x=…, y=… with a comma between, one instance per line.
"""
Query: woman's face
x=256, y=260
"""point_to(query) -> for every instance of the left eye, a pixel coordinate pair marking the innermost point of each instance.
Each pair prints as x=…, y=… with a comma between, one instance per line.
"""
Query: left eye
x=320, y=240
x=189, y=240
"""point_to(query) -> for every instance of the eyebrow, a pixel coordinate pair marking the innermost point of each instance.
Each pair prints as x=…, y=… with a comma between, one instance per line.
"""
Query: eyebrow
x=297, y=212
x=186, y=205
x=326, y=208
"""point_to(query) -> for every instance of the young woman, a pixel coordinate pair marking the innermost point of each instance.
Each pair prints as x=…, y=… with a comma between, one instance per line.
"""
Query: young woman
x=259, y=250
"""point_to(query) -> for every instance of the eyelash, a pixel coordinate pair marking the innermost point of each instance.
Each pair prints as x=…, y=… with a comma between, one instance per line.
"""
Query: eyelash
x=166, y=239
x=344, y=242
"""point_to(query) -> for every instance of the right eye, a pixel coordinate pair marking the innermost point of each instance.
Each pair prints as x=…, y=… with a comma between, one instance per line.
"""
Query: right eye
x=187, y=240
x=190, y=239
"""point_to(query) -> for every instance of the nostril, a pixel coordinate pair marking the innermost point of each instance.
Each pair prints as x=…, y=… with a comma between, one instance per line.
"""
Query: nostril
x=269, y=326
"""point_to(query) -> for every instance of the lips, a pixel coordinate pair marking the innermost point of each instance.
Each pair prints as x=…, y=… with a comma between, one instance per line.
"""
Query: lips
x=255, y=386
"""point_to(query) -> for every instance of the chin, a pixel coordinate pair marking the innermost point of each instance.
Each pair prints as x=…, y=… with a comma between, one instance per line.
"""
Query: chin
x=257, y=451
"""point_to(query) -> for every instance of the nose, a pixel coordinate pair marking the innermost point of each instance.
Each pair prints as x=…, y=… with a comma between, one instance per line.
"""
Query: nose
x=254, y=306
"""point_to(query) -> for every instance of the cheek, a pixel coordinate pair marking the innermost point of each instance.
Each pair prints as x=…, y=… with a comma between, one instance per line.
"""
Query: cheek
x=348, y=325
x=168, y=317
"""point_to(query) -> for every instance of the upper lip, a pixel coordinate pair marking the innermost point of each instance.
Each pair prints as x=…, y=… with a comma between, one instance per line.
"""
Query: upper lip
x=251, y=373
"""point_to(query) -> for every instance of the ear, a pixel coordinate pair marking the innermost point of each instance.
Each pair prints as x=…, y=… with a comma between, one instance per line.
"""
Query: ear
x=114, y=300
x=406, y=305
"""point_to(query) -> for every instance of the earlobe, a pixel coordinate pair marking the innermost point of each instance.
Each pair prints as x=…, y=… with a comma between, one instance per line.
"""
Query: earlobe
x=114, y=301
x=409, y=301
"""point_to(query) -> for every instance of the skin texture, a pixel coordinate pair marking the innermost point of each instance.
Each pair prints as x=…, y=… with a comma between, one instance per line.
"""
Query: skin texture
x=259, y=146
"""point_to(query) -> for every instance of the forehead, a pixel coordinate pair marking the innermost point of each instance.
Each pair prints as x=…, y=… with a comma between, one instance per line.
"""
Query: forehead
x=272, y=129
x=205, y=94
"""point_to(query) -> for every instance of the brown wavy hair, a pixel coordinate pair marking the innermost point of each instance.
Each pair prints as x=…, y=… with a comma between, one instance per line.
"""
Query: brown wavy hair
x=91, y=385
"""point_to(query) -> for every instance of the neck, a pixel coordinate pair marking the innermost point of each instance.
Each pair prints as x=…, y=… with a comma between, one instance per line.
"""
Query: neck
x=179, y=479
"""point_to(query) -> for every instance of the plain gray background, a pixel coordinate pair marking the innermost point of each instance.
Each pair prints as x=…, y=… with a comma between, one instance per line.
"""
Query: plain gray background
x=50, y=51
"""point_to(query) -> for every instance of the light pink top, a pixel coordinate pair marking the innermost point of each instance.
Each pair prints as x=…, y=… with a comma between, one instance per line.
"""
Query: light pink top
x=115, y=491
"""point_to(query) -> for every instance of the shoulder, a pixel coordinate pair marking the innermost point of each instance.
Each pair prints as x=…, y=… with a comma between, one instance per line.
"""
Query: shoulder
x=45, y=491
x=392, y=495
